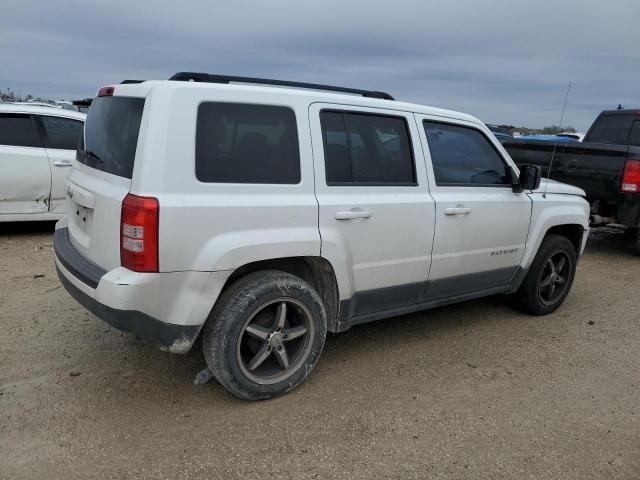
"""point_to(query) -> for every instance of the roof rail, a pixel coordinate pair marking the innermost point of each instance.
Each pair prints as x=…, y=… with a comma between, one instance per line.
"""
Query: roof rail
x=213, y=78
x=126, y=82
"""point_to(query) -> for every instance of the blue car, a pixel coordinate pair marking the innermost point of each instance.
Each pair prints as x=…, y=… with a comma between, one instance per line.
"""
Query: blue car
x=547, y=138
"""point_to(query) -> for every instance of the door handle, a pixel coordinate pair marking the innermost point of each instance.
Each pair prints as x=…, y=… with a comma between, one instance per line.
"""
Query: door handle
x=457, y=211
x=352, y=214
x=62, y=163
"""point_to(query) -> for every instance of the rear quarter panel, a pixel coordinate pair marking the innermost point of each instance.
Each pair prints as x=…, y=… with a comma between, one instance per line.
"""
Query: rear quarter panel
x=220, y=226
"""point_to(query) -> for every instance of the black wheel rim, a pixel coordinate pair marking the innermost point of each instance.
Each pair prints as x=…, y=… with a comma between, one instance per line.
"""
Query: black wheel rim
x=275, y=341
x=554, y=278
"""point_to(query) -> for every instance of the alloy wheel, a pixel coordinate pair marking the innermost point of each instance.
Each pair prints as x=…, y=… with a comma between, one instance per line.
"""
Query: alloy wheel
x=275, y=341
x=554, y=278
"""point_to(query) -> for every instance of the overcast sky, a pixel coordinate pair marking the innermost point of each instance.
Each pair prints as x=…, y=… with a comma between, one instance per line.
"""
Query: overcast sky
x=499, y=60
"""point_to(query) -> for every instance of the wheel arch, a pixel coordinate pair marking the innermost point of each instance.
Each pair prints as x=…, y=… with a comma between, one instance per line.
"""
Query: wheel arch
x=572, y=232
x=316, y=271
x=568, y=218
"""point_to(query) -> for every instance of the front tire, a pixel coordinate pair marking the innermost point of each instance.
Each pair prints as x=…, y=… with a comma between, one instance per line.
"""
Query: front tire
x=265, y=334
x=550, y=277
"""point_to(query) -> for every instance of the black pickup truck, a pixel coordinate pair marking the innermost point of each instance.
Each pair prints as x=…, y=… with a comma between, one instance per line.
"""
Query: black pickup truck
x=606, y=165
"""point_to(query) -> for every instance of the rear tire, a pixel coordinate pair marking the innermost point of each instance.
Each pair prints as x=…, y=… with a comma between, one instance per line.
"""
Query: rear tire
x=637, y=240
x=550, y=277
x=265, y=334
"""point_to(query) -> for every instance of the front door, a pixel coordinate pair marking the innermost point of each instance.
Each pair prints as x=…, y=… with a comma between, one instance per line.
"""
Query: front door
x=25, y=178
x=482, y=225
x=376, y=216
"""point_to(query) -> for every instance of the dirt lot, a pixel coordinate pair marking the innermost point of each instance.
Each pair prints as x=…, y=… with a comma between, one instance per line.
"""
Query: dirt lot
x=469, y=391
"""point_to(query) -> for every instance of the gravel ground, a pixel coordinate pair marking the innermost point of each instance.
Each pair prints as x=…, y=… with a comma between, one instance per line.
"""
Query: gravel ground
x=475, y=390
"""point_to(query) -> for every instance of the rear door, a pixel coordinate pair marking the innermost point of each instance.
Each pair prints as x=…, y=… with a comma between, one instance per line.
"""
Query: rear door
x=25, y=178
x=60, y=136
x=375, y=213
x=101, y=177
x=481, y=224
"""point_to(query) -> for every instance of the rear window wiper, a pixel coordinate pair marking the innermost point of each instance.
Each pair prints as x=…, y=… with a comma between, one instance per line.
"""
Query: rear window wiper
x=91, y=154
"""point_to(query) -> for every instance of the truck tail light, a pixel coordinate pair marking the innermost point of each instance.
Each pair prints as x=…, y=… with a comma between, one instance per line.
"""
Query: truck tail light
x=139, y=233
x=631, y=177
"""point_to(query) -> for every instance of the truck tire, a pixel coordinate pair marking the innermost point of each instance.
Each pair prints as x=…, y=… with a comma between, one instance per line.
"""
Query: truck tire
x=637, y=240
x=550, y=277
x=265, y=334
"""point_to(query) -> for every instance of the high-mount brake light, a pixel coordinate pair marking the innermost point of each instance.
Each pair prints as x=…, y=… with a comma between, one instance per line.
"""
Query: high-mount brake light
x=139, y=223
x=106, y=91
x=631, y=177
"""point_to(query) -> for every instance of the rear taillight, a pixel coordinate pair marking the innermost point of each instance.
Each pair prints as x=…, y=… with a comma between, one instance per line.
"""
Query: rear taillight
x=631, y=177
x=139, y=233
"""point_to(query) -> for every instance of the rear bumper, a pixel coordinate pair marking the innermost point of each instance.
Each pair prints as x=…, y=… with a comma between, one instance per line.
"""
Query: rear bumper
x=165, y=309
x=167, y=336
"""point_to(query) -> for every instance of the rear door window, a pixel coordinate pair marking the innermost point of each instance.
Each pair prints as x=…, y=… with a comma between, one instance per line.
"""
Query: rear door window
x=61, y=133
x=611, y=129
x=366, y=149
x=245, y=143
x=111, y=135
x=463, y=156
x=17, y=130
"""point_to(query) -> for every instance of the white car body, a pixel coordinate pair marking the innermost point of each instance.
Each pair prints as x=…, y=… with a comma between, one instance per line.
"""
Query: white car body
x=385, y=246
x=32, y=178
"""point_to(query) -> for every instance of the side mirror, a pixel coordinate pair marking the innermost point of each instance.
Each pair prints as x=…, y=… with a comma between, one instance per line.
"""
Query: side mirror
x=530, y=176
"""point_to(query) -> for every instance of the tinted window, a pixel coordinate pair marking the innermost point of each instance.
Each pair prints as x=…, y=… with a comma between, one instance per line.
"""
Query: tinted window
x=611, y=129
x=634, y=136
x=464, y=156
x=366, y=149
x=17, y=130
x=111, y=135
x=62, y=133
x=242, y=143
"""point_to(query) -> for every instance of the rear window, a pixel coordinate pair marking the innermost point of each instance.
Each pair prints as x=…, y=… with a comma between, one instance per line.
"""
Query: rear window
x=611, y=129
x=111, y=135
x=244, y=143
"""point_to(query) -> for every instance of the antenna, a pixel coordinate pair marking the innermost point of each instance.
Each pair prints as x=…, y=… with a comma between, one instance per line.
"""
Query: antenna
x=555, y=144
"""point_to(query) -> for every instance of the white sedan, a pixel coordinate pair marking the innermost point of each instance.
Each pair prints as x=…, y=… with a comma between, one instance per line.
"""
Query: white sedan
x=37, y=147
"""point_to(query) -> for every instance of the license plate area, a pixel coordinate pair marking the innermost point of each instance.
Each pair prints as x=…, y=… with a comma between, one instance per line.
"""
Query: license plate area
x=81, y=217
x=80, y=223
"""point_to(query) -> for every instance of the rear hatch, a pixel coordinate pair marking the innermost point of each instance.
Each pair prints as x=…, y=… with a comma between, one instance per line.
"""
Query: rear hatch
x=101, y=177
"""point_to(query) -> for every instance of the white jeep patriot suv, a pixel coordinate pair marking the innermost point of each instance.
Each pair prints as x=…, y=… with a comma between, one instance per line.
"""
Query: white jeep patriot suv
x=259, y=217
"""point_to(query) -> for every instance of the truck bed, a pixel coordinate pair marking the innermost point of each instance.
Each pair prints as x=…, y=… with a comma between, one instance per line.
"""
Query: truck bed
x=594, y=167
